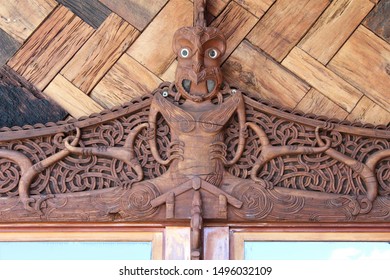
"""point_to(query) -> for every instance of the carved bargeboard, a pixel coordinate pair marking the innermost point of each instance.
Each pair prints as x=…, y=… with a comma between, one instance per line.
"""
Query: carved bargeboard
x=196, y=149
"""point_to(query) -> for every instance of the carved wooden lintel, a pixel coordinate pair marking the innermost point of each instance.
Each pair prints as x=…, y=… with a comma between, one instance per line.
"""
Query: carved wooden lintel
x=196, y=150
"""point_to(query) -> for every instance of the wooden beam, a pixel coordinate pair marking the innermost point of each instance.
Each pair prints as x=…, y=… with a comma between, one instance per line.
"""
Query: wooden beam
x=74, y=101
x=126, y=80
x=250, y=69
x=50, y=47
x=317, y=103
x=334, y=27
x=364, y=61
x=321, y=78
x=153, y=48
x=367, y=111
x=99, y=53
x=235, y=22
x=19, y=22
x=281, y=28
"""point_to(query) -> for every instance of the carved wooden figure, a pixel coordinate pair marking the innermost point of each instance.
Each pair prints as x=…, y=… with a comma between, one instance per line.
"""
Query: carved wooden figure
x=195, y=149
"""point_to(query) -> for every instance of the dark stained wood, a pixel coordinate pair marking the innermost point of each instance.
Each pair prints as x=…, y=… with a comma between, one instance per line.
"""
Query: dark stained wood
x=378, y=20
x=22, y=104
x=138, y=13
x=92, y=12
x=8, y=46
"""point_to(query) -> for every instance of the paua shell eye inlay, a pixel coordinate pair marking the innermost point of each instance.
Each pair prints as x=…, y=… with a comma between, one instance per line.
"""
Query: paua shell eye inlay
x=184, y=52
x=213, y=53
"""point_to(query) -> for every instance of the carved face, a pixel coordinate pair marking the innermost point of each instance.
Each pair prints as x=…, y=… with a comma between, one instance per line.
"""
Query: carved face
x=199, y=51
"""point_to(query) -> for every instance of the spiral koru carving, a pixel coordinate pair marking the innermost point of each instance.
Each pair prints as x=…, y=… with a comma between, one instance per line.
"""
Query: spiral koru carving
x=135, y=202
x=256, y=201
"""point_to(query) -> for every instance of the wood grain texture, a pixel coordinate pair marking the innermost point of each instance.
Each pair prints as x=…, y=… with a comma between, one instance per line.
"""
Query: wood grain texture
x=256, y=7
x=9, y=46
x=334, y=27
x=321, y=78
x=169, y=74
x=99, y=53
x=50, y=47
x=153, y=48
x=216, y=243
x=70, y=98
x=21, y=103
x=215, y=7
x=367, y=111
x=19, y=18
x=364, y=61
x=177, y=243
x=316, y=103
x=284, y=25
x=378, y=20
x=138, y=13
x=235, y=22
x=250, y=69
x=126, y=80
x=92, y=12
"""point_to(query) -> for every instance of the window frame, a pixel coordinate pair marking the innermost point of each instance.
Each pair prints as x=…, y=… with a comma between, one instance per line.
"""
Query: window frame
x=238, y=236
x=84, y=233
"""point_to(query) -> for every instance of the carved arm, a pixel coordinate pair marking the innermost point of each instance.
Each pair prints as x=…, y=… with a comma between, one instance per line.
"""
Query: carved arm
x=366, y=172
x=243, y=132
x=269, y=152
x=29, y=175
x=125, y=153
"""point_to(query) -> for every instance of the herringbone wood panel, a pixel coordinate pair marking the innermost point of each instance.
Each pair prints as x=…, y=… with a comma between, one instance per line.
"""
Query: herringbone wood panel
x=325, y=57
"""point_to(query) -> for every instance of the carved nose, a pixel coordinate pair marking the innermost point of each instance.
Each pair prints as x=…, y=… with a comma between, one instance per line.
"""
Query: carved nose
x=197, y=63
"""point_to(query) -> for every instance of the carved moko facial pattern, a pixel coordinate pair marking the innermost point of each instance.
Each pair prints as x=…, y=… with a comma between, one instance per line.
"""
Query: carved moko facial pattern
x=199, y=50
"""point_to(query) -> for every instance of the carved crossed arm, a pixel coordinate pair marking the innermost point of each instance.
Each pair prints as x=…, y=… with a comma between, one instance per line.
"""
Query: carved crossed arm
x=125, y=153
x=269, y=152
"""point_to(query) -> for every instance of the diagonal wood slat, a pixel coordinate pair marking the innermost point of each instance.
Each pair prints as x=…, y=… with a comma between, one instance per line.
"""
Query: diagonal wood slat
x=50, y=47
x=99, y=53
x=328, y=57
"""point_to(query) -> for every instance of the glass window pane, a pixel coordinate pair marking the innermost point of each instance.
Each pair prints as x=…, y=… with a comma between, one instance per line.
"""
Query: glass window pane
x=75, y=250
x=316, y=250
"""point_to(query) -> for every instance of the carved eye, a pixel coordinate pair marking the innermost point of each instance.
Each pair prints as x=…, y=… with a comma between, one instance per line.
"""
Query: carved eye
x=213, y=53
x=184, y=52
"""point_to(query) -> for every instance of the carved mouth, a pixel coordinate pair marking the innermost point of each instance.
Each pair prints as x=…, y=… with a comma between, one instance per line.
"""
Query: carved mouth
x=210, y=85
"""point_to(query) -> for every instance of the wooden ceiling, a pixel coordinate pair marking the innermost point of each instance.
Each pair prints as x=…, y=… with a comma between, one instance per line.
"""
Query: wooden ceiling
x=324, y=57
